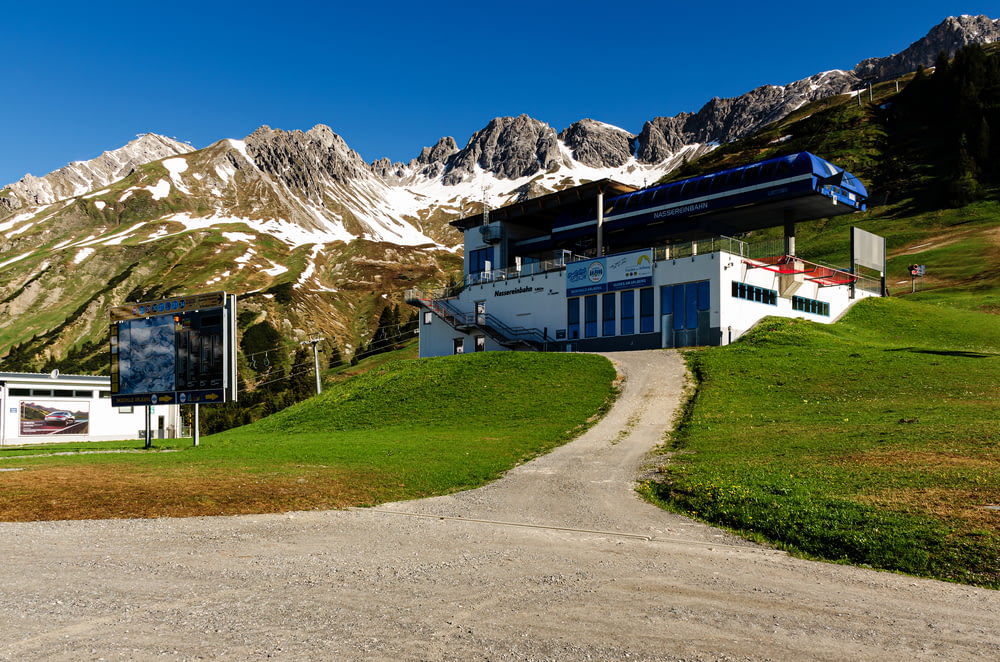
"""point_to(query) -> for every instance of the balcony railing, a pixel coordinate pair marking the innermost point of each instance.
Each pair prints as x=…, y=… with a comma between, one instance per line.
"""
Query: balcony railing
x=529, y=269
x=753, y=251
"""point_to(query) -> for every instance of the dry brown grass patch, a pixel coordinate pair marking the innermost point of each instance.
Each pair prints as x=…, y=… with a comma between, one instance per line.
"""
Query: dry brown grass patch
x=126, y=491
x=901, y=458
x=964, y=508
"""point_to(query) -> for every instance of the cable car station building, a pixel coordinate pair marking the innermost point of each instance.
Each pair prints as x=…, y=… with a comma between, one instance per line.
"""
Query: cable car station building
x=607, y=267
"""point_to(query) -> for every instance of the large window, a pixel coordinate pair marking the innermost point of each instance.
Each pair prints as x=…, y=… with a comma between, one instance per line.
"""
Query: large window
x=573, y=318
x=480, y=259
x=590, y=316
x=685, y=301
x=628, y=312
x=646, y=310
x=608, y=314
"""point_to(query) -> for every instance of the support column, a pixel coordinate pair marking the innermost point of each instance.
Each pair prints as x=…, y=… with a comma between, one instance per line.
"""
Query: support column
x=149, y=432
x=196, y=424
x=789, y=234
x=600, y=222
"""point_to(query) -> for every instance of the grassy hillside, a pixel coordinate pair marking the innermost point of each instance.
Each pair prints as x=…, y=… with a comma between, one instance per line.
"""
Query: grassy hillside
x=401, y=430
x=873, y=441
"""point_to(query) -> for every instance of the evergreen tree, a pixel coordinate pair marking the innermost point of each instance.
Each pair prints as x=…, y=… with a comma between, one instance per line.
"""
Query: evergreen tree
x=302, y=383
x=336, y=360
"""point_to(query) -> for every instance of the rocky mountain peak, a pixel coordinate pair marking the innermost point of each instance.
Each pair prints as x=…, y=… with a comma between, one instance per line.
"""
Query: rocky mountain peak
x=81, y=177
x=440, y=152
x=303, y=160
x=597, y=144
x=948, y=36
x=432, y=161
x=510, y=148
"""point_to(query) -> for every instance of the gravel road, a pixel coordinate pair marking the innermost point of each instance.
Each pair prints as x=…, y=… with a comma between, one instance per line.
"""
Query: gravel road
x=559, y=560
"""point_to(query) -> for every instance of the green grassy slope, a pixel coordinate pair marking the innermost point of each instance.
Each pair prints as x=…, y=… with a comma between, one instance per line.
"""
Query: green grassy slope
x=399, y=431
x=873, y=441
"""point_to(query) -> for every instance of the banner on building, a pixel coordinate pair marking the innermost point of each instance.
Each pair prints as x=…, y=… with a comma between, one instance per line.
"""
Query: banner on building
x=626, y=271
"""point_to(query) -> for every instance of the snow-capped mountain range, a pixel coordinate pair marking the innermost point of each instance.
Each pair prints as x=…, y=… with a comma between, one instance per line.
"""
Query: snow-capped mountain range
x=298, y=216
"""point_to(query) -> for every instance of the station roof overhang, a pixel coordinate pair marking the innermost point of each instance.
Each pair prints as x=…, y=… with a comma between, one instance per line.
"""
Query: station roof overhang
x=738, y=220
x=541, y=212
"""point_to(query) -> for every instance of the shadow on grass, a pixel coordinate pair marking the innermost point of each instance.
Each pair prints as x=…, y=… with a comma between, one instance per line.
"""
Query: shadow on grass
x=941, y=352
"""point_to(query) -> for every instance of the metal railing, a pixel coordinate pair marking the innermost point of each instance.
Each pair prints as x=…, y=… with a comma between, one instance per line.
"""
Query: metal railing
x=700, y=247
x=487, y=323
x=529, y=269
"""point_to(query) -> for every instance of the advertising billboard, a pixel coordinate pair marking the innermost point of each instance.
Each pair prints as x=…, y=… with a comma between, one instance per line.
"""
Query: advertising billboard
x=610, y=274
x=180, y=350
x=45, y=417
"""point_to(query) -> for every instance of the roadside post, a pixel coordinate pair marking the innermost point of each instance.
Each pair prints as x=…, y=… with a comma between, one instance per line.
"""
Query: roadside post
x=916, y=271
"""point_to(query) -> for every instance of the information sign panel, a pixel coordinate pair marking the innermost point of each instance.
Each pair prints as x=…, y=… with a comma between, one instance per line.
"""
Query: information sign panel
x=609, y=274
x=174, y=351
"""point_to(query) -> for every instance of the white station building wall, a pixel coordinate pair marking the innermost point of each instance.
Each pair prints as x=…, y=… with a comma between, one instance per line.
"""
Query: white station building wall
x=540, y=302
x=26, y=399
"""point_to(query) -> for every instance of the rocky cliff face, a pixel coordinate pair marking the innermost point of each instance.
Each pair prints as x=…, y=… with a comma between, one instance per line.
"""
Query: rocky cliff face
x=510, y=148
x=304, y=162
x=598, y=145
x=84, y=176
x=948, y=36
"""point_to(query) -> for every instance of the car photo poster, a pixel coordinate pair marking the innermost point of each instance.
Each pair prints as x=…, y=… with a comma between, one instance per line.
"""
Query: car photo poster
x=40, y=417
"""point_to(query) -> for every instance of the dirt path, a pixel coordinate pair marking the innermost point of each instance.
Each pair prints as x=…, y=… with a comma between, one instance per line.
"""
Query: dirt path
x=557, y=561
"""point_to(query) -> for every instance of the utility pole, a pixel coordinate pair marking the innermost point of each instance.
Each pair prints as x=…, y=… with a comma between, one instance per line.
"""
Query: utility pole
x=315, y=343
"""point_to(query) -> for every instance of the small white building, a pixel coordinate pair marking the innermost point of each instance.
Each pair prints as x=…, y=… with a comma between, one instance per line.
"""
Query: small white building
x=39, y=408
x=607, y=267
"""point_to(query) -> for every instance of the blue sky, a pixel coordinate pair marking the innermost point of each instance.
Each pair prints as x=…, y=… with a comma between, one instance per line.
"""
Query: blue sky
x=390, y=77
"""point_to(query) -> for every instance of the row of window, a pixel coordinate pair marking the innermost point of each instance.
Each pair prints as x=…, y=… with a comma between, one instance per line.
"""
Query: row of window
x=57, y=393
x=608, y=323
x=754, y=293
x=683, y=302
x=813, y=306
x=770, y=297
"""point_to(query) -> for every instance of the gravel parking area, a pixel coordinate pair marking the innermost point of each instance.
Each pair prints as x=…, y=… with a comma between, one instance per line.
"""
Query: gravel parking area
x=557, y=561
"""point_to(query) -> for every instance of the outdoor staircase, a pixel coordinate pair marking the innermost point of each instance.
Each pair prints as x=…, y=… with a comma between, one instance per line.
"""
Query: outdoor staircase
x=511, y=337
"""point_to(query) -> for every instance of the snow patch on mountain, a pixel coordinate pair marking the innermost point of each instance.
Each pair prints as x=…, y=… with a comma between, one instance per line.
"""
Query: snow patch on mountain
x=310, y=269
x=160, y=189
x=15, y=259
x=175, y=167
x=239, y=236
x=275, y=270
x=15, y=220
x=244, y=259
